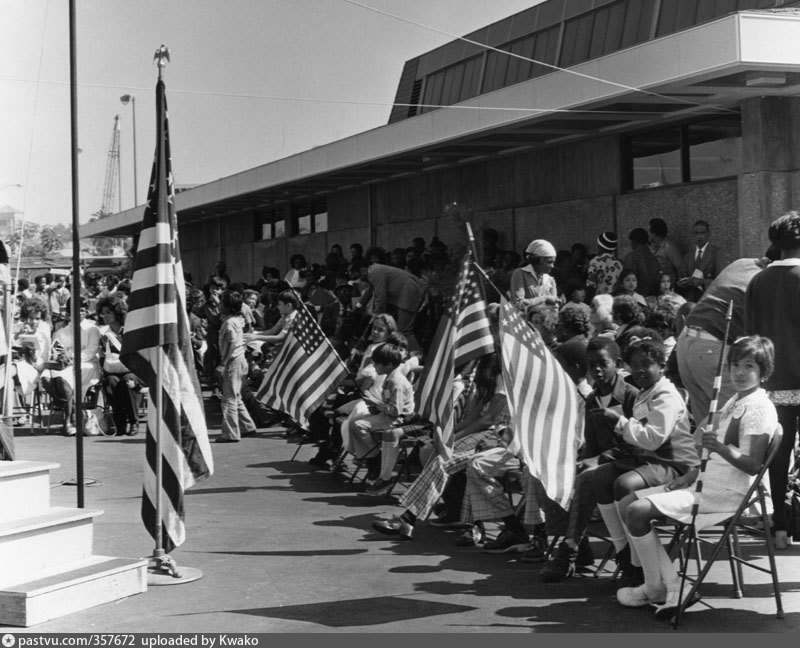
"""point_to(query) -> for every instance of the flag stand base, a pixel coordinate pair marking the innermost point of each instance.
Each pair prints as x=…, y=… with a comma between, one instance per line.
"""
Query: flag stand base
x=163, y=570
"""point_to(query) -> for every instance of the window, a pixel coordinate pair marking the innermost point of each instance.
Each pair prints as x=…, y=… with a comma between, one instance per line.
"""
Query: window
x=304, y=225
x=690, y=152
x=656, y=158
x=271, y=225
x=715, y=149
x=309, y=218
x=321, y=222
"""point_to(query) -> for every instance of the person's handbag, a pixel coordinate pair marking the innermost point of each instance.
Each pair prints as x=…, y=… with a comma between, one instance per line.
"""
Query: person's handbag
x=105, y=423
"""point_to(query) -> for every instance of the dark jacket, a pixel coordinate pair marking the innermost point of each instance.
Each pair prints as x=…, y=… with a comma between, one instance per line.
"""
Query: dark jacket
x=598, y=433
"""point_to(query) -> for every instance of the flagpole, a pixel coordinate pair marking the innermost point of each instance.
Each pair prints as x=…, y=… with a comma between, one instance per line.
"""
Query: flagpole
x=6, y=423
x=158, y=552
x=151, y=355
x=76, y=290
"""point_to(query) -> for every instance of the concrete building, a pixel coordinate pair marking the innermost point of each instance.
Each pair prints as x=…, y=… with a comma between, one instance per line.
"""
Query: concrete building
x=681, y=109
x=8, y=221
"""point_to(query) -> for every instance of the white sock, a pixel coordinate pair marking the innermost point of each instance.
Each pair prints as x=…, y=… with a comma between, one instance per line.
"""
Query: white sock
x=649, y=549
x=389, y=452
x=616, y=530
x=669, y=574
x=635, y=560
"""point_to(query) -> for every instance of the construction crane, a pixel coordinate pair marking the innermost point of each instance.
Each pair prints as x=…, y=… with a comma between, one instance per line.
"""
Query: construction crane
x=112, y=174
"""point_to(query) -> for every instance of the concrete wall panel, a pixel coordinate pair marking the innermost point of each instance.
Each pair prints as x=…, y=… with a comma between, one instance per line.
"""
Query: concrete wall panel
x=314, y=247
x=502, y=221
x=272, y=253
x=239, y=260
x=680, y=207
x=346, y=237
x=564, y=223
x=392, y=235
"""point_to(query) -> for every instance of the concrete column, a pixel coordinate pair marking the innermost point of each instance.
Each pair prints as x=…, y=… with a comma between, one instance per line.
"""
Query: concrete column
x=769, y=184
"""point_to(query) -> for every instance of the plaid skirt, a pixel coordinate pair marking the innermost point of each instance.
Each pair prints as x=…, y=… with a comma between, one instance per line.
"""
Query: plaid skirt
x=426, y=490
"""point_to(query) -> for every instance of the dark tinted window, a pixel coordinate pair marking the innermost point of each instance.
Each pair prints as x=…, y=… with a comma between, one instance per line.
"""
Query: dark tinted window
x=702, y=150
x=715, y=149
x=656, y=158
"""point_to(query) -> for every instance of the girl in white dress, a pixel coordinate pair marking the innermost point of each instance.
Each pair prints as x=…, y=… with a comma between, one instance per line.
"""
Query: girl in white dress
x=747, y=424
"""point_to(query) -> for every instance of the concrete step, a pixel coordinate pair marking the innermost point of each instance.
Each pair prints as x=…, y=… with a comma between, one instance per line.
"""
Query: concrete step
x=24, y=488
x=59, y=535
x=78, y=585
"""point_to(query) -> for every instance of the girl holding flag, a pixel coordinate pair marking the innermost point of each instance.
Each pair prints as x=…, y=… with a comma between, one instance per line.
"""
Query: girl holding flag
x=749, y=420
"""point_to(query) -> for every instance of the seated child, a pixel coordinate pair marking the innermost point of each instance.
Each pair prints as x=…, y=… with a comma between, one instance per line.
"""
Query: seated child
x=396, y=403
x=662, y=443
x=747, y=423
x=628, y=284
x=575, y=293
x=600, y=445
x=485, y=412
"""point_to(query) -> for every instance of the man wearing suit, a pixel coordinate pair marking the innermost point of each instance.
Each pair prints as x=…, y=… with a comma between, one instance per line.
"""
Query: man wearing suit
x=700, y=265
x=397, y=292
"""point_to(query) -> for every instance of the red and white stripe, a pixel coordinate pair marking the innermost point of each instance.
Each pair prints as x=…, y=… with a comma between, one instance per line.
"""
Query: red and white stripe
x=543, y=403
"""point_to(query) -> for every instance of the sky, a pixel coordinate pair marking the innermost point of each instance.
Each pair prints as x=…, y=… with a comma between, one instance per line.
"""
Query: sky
x=249, y=82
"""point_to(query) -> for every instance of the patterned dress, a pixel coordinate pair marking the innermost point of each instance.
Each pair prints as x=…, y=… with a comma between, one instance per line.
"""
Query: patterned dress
x=603, y=273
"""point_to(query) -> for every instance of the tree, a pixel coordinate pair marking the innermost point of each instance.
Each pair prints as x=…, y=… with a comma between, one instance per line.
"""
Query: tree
x=50, y=239
x=26, y=236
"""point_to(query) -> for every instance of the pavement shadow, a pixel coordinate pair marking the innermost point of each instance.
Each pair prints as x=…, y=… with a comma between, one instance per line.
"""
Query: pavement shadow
x=294, y=553
x=361, y=521
x=226, y=489
x=591, y=616
x=372, y=611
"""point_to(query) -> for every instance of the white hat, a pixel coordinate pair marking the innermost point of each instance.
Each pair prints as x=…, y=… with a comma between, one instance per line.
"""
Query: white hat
x=541, y=248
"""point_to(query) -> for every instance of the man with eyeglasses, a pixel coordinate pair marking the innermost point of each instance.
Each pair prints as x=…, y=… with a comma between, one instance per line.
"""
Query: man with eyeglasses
x=700, y=265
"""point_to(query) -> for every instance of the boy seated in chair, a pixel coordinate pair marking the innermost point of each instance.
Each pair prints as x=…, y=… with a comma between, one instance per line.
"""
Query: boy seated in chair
x=397, y=403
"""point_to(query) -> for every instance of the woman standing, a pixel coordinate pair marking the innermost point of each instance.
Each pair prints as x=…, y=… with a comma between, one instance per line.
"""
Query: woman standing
x=532, y=285
x=234, y=369
x=772, y=309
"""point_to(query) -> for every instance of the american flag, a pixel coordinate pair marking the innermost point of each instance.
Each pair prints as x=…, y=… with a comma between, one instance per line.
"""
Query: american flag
x=543, y=403
x=157, y=348
x=305, y=371
x=463, y=334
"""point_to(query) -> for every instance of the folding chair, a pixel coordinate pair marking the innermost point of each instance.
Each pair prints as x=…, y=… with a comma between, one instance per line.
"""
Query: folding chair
x=414, y=432
x=305, y=439
x=729, y=540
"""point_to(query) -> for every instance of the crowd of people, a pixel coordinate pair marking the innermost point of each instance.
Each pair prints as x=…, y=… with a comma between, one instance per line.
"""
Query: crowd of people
x=639, y=334
x=42, y=354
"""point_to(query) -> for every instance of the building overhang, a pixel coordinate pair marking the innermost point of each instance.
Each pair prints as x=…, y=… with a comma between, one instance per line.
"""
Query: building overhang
x=702, y=71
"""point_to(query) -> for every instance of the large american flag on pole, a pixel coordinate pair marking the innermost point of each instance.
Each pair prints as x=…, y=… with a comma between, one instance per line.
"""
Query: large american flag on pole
x=156, y=337
x=463, y=334
x=306, y=369
x=543, y=403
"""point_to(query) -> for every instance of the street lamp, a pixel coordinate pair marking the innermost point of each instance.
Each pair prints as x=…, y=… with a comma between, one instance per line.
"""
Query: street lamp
x=125, y=99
